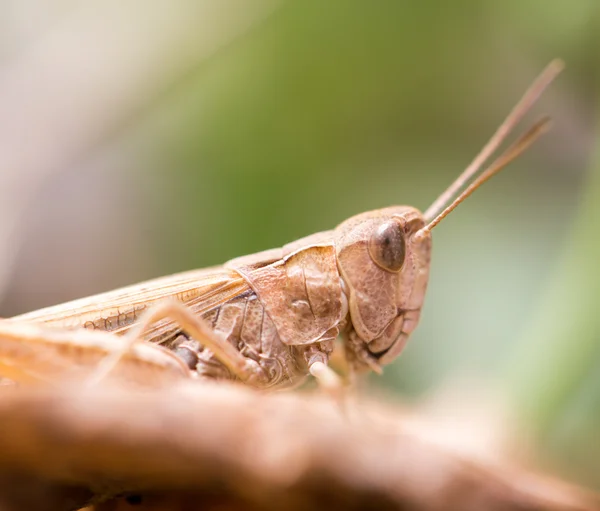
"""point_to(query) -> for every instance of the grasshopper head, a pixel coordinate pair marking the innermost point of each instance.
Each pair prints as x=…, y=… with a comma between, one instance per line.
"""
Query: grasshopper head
x=383, y=258
x=384, y=255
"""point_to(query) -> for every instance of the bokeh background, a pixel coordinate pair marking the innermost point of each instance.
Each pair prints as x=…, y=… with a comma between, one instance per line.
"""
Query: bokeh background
x=139, y=139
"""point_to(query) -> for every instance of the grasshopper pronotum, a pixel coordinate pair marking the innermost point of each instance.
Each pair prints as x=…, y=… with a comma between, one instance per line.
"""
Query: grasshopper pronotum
x=267, y=319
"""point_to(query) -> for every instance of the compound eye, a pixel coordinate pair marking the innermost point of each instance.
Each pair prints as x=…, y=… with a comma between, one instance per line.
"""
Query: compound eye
x=387, y=246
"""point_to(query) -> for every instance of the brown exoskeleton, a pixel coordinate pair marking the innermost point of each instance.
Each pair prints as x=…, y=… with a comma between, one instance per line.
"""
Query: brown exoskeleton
x=270, y=319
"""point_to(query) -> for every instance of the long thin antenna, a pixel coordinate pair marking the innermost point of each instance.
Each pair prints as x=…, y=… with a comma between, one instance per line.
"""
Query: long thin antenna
x=513, y=118
x=517, y=148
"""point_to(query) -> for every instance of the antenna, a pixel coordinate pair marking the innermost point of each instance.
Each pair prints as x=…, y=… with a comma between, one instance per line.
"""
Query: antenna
x=514, y=117
x=516, y=149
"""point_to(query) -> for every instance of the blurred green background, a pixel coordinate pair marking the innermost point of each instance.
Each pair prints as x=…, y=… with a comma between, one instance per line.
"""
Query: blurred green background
x=145, y=138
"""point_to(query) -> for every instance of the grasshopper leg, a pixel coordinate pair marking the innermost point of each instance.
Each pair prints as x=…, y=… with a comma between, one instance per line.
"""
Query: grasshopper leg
x=243, y=368
x=330, y=382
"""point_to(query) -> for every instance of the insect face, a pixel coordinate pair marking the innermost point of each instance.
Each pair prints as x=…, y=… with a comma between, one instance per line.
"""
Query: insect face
x=383, y=258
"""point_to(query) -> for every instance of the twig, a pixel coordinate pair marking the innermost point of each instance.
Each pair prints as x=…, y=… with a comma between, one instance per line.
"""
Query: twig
x=205, y=445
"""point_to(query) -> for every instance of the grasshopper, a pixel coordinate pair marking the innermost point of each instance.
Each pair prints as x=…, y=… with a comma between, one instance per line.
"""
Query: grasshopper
x=268, y=319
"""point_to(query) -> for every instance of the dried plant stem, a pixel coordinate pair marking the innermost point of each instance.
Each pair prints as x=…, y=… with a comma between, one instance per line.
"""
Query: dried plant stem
x=199, y=445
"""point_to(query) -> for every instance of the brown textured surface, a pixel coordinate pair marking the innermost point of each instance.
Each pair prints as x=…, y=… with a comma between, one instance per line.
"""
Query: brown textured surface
x=302, y=294
x=225, y=447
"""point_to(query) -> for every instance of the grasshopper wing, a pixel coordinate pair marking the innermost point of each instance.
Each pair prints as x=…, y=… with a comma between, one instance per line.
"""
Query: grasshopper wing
x=116, y=311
